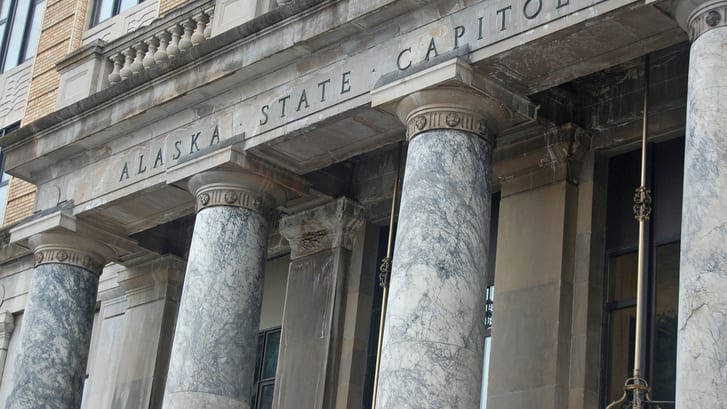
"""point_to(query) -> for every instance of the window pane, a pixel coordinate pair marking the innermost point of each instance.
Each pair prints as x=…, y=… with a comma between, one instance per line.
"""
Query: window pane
x=17, y=30
x=665, y=322
x=4, y=8
x=266, y=396
x=104, y=10
x=622, y=277
x=127, y=4
x=259, y=354
x=34, y=32
x=270, y=363
x=621, y=350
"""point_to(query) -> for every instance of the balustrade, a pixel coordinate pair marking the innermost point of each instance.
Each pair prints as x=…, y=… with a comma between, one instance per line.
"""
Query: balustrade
x=180, y=36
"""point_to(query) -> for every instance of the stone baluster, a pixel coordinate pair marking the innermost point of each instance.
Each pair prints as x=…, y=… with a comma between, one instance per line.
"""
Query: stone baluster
x=208, y=28
x=198, y=36
x=151, y=45
x=173, y=47
x=118, y=61
x=138, y=65
x=129, y=55
x=185, y=43
x=161, y=55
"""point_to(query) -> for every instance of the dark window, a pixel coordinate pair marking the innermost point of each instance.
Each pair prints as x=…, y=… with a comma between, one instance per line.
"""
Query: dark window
x=266, y=363
x=19, y=30
x=664, y=170
x=105, y=9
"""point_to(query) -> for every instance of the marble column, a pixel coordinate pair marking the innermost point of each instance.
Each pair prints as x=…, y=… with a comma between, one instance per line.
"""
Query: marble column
x=152, y=290
x=213, y=354
x=701, y=352
x=54, y=340
x=434, y=332
x=321, y=240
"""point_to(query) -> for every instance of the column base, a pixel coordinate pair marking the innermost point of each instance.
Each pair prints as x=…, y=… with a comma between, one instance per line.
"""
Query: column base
x=202, y=400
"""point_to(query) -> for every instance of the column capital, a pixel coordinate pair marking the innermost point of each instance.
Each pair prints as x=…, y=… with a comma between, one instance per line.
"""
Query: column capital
x=236, y=189
x=451, y=95
x=450, y=107
x=540, y=156
x=58, y=237
x=70, y=248
x=697, y=17
x=233, y=177
x=334, y=224
x=7, y=326
x=152, y=279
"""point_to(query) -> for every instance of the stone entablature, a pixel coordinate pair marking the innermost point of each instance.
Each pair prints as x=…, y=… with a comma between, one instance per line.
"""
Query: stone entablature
x=257, y=87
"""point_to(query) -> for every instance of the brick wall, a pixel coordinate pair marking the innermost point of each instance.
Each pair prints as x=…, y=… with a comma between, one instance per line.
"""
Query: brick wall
x=63, y=25
x=166, y=6
x=21, y=200
x=61, y=32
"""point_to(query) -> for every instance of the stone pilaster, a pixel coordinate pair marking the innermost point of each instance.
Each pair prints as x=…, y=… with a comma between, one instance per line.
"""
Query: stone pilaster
x=530, y=359
x=213, y=355
x=56, y=332
x=321, y=240
x=701, y=361
x=434, y=333
x=7, y=325
x=152, y=292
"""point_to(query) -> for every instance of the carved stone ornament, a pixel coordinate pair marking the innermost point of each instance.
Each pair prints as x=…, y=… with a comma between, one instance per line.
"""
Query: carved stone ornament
x=430, y=120
x=420, y=122
x=68, y=256
x=707, y=18
x=314, y=241
x=452, y=119
x=229, y=197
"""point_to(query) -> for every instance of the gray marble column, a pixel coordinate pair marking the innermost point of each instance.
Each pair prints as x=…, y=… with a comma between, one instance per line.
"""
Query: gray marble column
x=701, y=348
x=321, y=240
x=434, y=332
x=213, y=354
x=51, y=364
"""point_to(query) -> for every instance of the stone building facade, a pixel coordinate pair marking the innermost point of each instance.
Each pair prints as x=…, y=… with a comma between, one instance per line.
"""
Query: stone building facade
x=202, y=193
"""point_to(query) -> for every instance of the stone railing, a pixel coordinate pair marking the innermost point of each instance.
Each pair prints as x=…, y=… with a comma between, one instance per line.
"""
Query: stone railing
x=100, y=64
x=151, y=45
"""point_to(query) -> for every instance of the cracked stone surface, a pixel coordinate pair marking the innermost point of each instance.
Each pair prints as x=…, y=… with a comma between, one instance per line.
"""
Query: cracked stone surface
x=213, y=355
x=701, y=350
x=434, y=334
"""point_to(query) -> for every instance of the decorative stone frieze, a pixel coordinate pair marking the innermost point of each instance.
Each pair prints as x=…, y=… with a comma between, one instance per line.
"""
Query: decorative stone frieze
x=228, y=196
x=442, y=118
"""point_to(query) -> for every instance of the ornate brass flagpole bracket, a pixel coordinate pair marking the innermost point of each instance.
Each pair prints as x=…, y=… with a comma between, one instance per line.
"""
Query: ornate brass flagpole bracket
x=636, y=387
